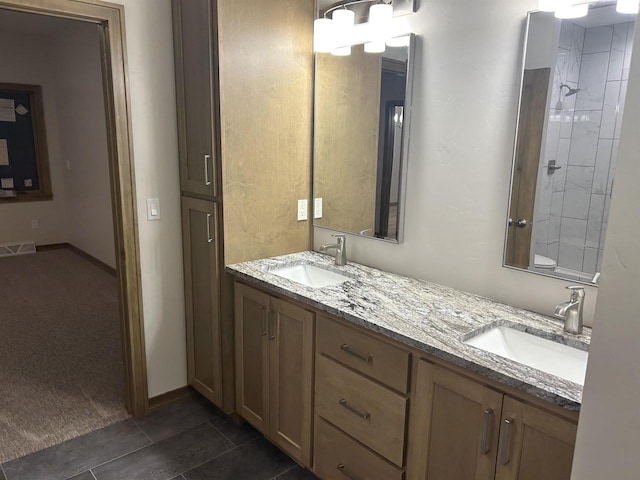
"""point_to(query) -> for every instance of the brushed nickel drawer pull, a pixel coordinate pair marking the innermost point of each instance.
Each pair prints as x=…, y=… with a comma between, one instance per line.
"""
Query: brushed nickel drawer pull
x=504, y=451
x=207, y=180
x=343, y=470
x=346, y=349
x=209, y=237
x=358, y=412
x=264, y=321
x=486, y=423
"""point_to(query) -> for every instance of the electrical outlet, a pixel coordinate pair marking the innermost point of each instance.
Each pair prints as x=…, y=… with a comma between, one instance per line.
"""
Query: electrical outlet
x=34, y=224
x=302, y=210
x=317, y=208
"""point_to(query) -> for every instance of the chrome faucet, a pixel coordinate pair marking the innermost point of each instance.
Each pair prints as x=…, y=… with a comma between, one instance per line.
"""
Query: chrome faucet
x=571, y=311
x=340, y=247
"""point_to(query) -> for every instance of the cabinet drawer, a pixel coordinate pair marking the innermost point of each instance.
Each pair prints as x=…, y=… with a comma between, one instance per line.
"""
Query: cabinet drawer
x=370, y=413
x=338, y=456
x=375, y=358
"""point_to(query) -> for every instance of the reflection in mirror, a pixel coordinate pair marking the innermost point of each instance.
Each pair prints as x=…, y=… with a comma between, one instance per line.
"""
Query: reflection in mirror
x=360, y=136
x=571, y=108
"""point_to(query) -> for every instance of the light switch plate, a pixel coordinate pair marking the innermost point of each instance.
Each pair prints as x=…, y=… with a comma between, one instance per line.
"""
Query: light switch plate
x=317, y=208
x=153, y=209
x=302, y=210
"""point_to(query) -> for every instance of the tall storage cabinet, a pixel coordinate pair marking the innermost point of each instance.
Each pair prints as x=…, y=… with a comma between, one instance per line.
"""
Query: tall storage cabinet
x=244, y=82
x=195, y=45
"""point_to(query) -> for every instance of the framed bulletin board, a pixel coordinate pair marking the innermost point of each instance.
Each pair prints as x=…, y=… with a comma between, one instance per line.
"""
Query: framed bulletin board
x=24, y=157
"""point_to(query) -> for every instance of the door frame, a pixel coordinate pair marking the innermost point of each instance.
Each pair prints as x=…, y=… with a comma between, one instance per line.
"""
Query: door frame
x=110, y=17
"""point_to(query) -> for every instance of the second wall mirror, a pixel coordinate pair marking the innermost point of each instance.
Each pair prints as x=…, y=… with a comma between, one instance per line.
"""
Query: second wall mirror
x=571, y=108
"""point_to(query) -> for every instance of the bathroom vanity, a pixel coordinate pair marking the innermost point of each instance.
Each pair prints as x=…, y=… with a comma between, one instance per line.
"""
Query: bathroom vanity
x=373, y=375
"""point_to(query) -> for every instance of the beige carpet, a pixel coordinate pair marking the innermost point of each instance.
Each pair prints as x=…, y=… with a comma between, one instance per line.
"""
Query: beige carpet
x=61, y=367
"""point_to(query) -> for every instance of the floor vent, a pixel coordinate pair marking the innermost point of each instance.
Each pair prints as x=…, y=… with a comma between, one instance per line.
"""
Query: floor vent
x=17, y=249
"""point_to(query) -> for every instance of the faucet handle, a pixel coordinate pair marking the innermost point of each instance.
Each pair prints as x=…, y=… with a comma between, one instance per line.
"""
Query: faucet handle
x=577, y=292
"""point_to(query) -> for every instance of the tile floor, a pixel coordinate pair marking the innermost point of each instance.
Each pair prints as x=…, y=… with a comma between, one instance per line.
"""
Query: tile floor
x=189, y=440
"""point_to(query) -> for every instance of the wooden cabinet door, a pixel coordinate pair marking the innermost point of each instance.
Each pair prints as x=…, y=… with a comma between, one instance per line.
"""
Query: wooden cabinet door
x=534, y=445
x=195, y=33
x=252, y=310
x=454, y=427
x=202, y=296
x=291, y=338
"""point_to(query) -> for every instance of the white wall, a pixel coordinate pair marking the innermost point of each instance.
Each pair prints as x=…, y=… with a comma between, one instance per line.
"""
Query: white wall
x=15, y=218
x=468, y=69
x=155, y=149
x=609, y=429
x=83, y=140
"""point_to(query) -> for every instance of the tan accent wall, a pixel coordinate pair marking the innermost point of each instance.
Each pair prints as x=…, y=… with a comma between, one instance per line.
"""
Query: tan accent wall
x=346, y=142
x=266, y=84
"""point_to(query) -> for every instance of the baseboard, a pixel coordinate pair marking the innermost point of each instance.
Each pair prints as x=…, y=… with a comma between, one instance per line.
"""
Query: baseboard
x=168, y=398
x=90, y=258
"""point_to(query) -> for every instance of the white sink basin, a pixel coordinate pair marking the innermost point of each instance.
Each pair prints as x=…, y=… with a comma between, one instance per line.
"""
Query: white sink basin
x=555, y=358
x=310, y=275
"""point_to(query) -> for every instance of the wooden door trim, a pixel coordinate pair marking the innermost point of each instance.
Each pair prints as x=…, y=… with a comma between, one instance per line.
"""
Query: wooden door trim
x=123, y=193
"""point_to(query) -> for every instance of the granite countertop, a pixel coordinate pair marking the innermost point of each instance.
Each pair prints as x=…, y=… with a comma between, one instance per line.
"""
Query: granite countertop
x=429, y=317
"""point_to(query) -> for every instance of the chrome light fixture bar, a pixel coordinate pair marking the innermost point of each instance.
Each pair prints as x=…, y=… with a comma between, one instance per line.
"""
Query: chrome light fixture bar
x=349, y=25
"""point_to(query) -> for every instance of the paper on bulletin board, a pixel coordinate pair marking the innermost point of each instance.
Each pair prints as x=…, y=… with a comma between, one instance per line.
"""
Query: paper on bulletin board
x=6, y=182
x=7, y=110
x=4, y=152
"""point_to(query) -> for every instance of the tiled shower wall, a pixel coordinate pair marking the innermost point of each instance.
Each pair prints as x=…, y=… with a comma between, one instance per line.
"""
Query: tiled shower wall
x=583, y=133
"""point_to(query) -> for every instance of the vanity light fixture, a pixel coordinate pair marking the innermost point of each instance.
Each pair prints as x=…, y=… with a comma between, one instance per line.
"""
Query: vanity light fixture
x=337, y=34
x=566, y=9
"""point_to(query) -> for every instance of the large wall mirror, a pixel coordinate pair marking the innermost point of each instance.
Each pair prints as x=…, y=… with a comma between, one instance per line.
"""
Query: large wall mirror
x=362, y=107
x=571, y=108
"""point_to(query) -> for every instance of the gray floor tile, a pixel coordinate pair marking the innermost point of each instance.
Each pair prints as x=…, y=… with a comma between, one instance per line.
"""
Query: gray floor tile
x=83, y=476
x=238, y=434
x=255, y=460
x=297, y=473
x=167, y=458
x=77, y=455
x=177, y=417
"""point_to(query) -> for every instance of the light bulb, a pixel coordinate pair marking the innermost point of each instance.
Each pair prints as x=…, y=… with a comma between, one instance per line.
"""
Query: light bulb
x=343, y=20
x=547, y=5
x=380, y=18
x=567, y=9
x=322, y=35
x=628, y=6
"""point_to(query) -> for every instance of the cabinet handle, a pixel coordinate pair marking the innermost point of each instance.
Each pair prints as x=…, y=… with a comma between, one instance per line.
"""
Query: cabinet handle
x=207, y=180
x=264, y=321
x=354, y=410
x=272, y=326
x=486, y=423
x=346, y=349
x=504, y=451
x=209, y=237
x=343, y=470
